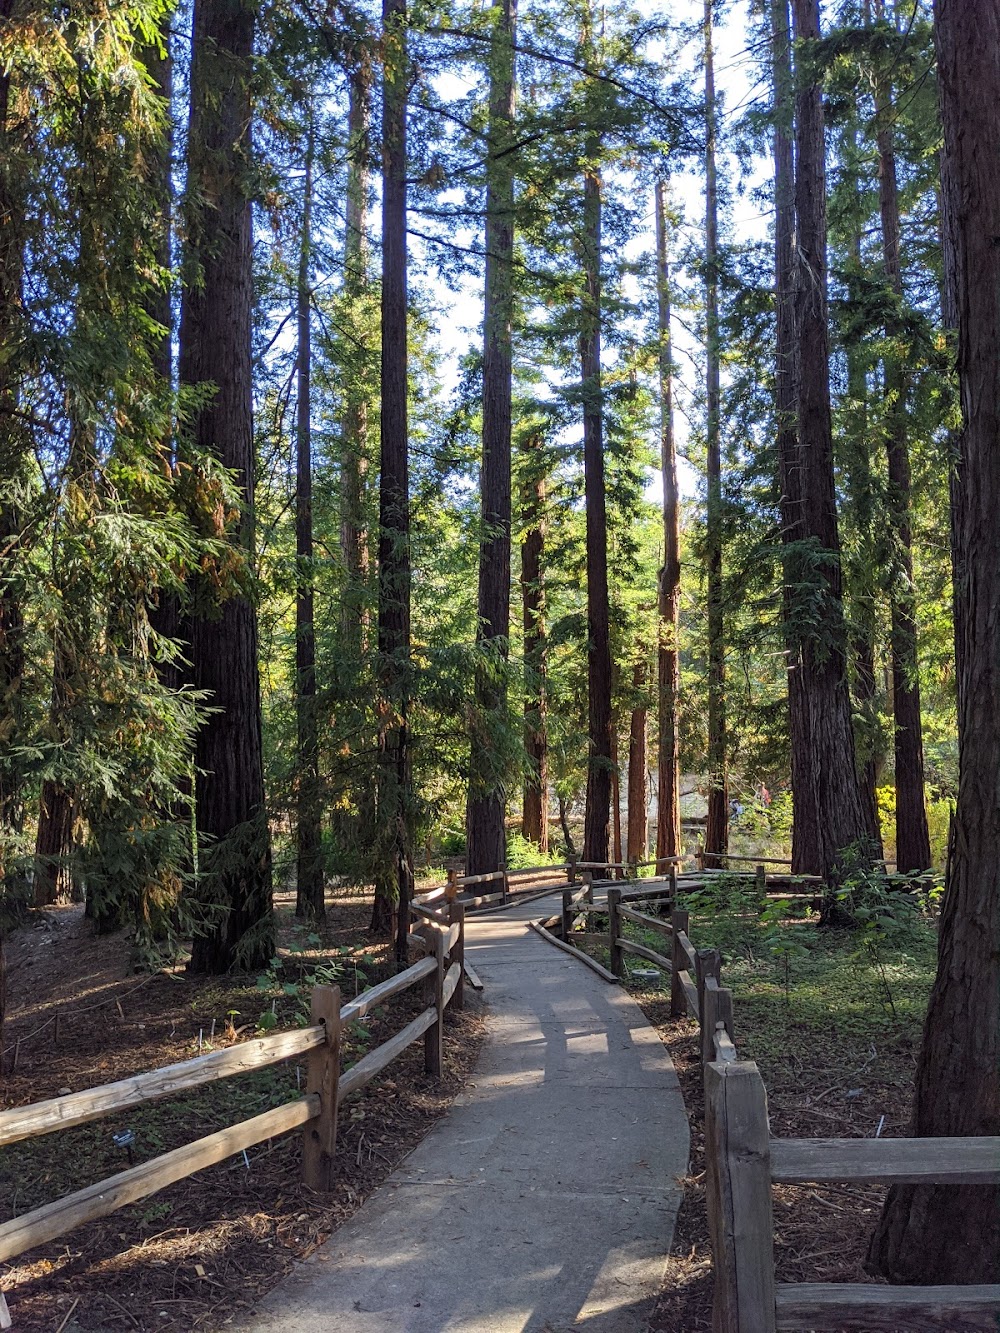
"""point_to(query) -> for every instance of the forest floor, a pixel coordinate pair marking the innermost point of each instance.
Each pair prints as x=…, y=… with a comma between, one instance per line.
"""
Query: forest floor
x=836, y=1040
x=201, y=1252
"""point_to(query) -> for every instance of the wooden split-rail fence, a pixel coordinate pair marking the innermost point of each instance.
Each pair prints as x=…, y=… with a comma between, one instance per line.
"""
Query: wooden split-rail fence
x=474, y=890
x=742, y=1164
x=440, y=975
x=743, y=1161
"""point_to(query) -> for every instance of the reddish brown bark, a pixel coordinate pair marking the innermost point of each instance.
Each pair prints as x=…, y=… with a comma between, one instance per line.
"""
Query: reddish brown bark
x=215, y=337
x=829, y=822
x=948, y=1233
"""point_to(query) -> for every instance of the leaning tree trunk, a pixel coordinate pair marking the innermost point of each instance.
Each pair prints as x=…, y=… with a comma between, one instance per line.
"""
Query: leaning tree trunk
x=668, y=819
x=949, y=1233
x=637, y=835
x=486, y=845
x=717, y=828
x=600, y=762
x=309, y=861
x=535, y=808
x=215, y=339
x=394, y=798
x=829, y=820
x=913, y=847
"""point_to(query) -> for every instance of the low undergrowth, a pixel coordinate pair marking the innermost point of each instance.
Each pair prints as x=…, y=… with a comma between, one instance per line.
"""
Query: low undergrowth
x=833, y=1020
x=205, y=1249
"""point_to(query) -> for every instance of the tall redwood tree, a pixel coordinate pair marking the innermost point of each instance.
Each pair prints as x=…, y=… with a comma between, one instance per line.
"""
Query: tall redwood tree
x=597, y=815
x=948, y=1233
x=913, y=846
x=828, y=815
x=486, y=837
x=394, y=802
x=215, y=334
x=717, y=827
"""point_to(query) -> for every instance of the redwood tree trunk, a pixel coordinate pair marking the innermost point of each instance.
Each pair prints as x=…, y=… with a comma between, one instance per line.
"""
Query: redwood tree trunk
x=215, y=338
x=535, y=809
x=394, y=806
x=668, y=819
x=829, y=820
x=309, y=863
x=948, y=1233
x=637, y=837
x=717, y=828
x=486, y=847
x=862, y=618
x=913, y=848
x=600, y=766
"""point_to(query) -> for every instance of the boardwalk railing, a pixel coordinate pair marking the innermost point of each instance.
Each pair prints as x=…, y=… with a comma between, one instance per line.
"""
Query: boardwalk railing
x=439, y=973
x=743, y=1162
x=509, y=882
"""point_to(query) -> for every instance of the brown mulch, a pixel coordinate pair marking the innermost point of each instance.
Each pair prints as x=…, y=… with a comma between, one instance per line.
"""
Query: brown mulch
x=199, y=1254
x=820, y=1235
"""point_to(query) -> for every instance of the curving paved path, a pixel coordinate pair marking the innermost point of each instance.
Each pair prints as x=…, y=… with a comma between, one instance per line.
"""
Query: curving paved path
x=545, y=1200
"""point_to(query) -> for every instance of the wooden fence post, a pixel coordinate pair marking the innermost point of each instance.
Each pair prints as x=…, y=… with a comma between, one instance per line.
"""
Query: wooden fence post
x=699, y=858
x=322, y=1076
x=588, y=880
x=709, y=1015
x=762, y=885
x=505, y=886
x=571, y=869
x=738, y=1186
x=724, y=1011
x=679, y=921
x=567, y=915
x=456, y=912
x=451, y=889
x=614, y=931
x=708, y=963
x=434, y=995
x=673, y=886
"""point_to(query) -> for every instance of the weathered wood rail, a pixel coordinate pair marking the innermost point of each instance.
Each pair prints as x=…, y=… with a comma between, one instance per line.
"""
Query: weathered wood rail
x=743, y=1162
x=439, y=973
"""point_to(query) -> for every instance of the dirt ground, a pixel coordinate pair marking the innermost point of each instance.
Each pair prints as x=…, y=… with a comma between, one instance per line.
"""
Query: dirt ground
x=196, y=1255
x=820, y=1235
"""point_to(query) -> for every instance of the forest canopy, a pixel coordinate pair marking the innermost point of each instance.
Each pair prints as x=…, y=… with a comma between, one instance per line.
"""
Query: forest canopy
x=303, y=578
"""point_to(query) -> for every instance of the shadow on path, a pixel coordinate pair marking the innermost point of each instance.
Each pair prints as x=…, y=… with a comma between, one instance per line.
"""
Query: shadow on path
x=545, y=1200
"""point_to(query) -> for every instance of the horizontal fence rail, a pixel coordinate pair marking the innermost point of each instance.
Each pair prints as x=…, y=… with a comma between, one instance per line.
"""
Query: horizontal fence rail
x=439, y=972
x=743, y=1162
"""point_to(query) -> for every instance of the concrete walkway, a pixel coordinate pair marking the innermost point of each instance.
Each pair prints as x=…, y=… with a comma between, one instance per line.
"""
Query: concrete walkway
x=545, y=1200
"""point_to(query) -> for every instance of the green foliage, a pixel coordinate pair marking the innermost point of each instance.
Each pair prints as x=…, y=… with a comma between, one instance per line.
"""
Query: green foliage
x=522, y=854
